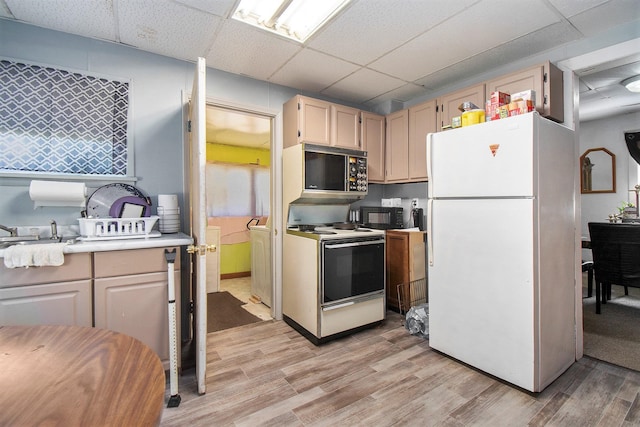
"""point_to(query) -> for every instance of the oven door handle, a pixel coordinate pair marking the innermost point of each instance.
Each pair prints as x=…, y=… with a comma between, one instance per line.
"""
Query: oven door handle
x=333, y=307
x=351, y=244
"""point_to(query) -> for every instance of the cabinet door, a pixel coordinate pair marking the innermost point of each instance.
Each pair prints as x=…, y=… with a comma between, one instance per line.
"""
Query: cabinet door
x=422, y=121
x=64, y=303
x=314, y=121
x=345, y=127
x=449, y=103
x=545, y=79
x=373, y=142
x=397, y=147
x=136, y=305
x=397, y=244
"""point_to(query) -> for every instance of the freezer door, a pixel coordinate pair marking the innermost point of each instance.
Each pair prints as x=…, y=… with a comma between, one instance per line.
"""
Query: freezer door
x=493, y=159
x=482, y=286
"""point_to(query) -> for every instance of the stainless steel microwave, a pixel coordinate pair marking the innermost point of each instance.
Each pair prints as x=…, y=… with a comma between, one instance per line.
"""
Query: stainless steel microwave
x=325, y=172
x=381, y=217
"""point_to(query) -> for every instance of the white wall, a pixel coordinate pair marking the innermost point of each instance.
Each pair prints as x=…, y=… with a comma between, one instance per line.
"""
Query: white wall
x=609, y=133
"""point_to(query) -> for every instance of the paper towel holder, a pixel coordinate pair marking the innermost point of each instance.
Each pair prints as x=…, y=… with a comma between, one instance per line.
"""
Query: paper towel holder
x=58, y=193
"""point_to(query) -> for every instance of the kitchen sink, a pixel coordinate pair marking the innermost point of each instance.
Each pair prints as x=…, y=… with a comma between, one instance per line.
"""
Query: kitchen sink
x=7, y=241
x=18, y=239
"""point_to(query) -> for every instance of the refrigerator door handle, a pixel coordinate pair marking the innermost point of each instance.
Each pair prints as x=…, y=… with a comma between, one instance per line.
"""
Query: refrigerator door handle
x=430, y=231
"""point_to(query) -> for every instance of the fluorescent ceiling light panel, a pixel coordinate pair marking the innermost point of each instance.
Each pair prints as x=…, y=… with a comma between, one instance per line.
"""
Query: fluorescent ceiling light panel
x=294, y=19
x=632, y=83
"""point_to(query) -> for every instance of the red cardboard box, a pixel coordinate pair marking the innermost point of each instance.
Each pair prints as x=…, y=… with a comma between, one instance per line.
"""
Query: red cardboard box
x=500, y=98
x=497, y=100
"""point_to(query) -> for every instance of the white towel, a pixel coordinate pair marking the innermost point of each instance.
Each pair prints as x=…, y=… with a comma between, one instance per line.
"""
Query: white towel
x=37, y=255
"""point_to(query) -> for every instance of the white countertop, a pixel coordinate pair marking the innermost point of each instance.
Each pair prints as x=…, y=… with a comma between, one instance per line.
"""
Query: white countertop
x=164, y=240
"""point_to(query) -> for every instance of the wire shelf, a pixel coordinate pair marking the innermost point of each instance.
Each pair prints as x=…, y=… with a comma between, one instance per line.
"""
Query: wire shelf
x=412, y=294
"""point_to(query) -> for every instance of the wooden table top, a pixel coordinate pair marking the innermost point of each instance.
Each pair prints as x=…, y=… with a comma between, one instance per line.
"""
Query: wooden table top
x=71, y=375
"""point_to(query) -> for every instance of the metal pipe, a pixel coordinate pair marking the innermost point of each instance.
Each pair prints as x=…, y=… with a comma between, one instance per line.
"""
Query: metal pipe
x=54, y=230
x=10, y=230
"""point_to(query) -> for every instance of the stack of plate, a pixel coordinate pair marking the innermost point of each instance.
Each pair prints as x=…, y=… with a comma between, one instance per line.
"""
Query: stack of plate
x=168, y=213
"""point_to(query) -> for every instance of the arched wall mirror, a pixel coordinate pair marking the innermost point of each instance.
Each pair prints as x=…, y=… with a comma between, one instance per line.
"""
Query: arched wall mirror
x=598, y=171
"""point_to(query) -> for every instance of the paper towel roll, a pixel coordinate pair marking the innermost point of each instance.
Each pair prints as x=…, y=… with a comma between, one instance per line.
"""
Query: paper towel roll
x=58, y=193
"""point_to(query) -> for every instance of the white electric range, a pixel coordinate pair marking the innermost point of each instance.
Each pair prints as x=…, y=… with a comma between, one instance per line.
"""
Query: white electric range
x=333, y=281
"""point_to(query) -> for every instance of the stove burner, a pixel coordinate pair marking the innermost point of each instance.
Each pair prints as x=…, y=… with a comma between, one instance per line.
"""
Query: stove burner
x=323, y=232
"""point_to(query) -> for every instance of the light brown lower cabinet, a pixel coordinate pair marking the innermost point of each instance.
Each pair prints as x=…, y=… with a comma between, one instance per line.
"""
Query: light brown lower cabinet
x=47, y=295
x=131, y=296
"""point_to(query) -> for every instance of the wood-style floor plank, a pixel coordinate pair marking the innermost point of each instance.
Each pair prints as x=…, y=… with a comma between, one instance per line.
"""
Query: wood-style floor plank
x=266, y=374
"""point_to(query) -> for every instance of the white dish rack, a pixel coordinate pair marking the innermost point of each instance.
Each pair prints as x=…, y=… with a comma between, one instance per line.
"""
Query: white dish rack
x=117, y=228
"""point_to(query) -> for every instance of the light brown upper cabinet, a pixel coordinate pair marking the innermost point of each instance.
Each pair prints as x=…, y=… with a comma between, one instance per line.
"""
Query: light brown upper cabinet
x=345, y=127
x=306, y=120
x=449, y=103
x=422, y=121
x=373, y=142
x=320, y=122
x=545, y=79
x=397, y=147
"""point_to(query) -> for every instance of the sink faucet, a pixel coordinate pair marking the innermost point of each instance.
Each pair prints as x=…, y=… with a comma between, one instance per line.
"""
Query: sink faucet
x=12, y=231
x=54, y=230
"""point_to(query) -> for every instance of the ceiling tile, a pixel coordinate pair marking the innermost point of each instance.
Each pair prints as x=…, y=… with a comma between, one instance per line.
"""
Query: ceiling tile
x=611, y=76
x=220, y=8
x=512, y=20
x=379, y=19
x=362, y=86
x=166, y=28
x=536, y=42
x=4, y=10
x=312, y=71
x=402, y=94
x=89, y=18
x=603, y=17
x=569, y=8
x=238, y=49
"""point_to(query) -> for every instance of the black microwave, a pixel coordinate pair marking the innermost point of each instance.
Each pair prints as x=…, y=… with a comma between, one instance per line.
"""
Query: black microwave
x=381, y=217
x=334, y=172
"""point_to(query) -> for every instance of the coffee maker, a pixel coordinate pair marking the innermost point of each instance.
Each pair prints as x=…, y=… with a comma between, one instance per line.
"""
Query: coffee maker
x=418, y=218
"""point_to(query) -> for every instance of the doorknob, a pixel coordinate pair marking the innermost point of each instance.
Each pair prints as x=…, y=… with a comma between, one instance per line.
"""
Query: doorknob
x=201, y=249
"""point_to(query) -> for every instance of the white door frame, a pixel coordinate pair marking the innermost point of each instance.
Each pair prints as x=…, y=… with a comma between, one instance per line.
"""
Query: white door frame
x=276, y=192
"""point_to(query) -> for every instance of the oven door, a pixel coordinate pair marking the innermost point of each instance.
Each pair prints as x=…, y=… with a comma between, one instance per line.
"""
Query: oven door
x=351, y=269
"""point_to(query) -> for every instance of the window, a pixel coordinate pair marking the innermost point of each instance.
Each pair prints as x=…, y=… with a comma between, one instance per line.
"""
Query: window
x=237, y=190
x=58, y=121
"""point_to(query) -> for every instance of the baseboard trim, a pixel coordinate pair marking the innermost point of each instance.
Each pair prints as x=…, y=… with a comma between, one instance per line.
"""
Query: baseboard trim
x=235, y=275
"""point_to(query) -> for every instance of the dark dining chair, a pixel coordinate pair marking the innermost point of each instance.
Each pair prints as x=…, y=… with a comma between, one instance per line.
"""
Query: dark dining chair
x=587, y=266
x=616, y=257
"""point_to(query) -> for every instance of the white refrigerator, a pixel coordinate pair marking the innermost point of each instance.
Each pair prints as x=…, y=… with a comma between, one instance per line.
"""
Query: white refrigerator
x=501, y=237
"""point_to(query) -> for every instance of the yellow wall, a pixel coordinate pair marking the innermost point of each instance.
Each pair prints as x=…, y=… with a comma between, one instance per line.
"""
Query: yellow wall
x=238, y=155
x=236, y=258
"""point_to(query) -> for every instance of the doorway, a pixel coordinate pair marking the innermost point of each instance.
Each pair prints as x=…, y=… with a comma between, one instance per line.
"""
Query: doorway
x=596, y=83
x=239, y=199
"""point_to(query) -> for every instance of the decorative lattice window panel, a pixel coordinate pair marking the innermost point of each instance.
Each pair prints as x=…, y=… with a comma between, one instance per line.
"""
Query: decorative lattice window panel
x=58, y=121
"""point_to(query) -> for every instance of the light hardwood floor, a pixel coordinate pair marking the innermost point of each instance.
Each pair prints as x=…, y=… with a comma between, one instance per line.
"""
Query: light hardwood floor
x=267, y=374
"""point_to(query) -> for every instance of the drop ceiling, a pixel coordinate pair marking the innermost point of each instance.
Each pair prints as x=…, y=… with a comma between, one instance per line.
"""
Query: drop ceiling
x=374, y=51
